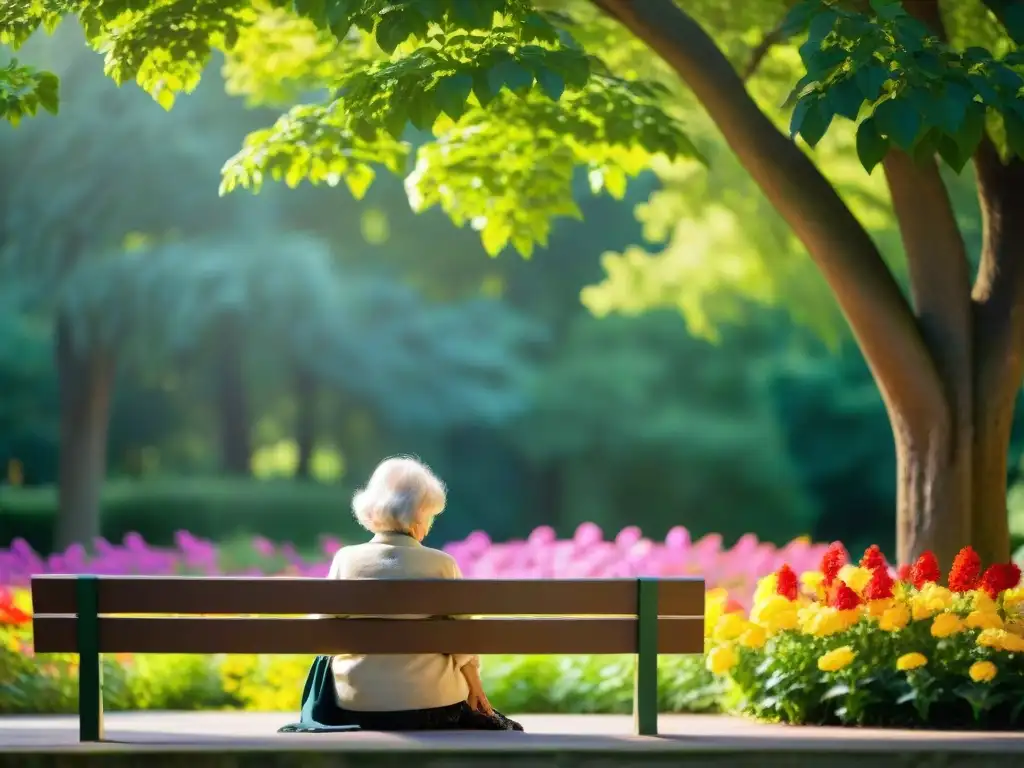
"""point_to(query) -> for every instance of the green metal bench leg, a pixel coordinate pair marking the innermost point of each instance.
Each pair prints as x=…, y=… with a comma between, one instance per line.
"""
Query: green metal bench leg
x=90, y=671
x=645, y=694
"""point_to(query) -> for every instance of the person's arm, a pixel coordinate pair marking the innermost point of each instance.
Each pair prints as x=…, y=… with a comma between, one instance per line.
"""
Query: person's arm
x=469, y=665
x=463, y=660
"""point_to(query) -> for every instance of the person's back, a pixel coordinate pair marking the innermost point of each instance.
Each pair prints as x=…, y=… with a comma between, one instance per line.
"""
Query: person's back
x=397, y=682
x=411, y=691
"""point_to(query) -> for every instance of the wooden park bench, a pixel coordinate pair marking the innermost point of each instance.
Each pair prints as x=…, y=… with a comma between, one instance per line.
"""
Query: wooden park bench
x=93, y=615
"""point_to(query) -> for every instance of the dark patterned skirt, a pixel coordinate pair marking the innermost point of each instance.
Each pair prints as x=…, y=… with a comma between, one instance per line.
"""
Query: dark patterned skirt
x=453, y=717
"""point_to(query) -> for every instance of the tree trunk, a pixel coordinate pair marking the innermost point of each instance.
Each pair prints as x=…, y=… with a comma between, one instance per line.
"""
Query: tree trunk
x=232, y=402
x=998, y=303
x=86, y=384
x=949, y=367
x=305, y=421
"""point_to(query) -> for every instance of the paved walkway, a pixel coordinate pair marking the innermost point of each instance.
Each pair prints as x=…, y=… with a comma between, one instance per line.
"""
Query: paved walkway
x=175, y=731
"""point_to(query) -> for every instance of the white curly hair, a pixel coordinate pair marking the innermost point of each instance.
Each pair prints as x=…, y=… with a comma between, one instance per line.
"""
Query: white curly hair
x=401, y=493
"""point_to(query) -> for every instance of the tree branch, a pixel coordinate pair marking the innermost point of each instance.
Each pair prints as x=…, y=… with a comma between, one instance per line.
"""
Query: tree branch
x=998, y=291
x=940, y=281
x=760, y=51
x=868, y=294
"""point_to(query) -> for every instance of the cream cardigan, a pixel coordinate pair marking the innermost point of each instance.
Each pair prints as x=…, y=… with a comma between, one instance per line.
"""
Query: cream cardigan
x=391, y=683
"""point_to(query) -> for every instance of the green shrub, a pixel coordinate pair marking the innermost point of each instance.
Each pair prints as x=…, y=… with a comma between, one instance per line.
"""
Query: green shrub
x=212, y=508
x=516, y=684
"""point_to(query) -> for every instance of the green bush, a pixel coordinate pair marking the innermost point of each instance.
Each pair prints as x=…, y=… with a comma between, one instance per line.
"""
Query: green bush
x=212, y=508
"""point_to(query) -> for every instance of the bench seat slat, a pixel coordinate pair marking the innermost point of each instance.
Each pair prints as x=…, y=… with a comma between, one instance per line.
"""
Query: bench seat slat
x=56, y=634
x=55, y=594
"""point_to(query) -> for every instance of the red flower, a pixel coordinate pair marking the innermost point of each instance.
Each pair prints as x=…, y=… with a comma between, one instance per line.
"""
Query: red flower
x=786, y=583
x=999, y=578
x=843, y=598
x=880, y=586
x=873, y=558
x=963, y=576
x=11, y=614
x=926, y=569
x=834, y=559
x=903, y=572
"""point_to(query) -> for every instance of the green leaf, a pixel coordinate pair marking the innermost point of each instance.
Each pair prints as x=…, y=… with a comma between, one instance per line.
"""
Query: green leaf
x=820, y=27
x=551, y=83
x=887, y=10
x=423, y=110
x=950, y=151
x=871, y=147
x=510, y=74
x=899, y=120
x=835, y=692
x=452, y=92
x=815, y=122
x=982, y=87
x=953, y=106
x=845, y=98
x=358, y=179
x=482, y=88
x=797, y=18
x=972, y=130
x=473, y=14
x=48, y=91
x=164, y=97
x=495, y=236
x=396, y=27
x=871, y=79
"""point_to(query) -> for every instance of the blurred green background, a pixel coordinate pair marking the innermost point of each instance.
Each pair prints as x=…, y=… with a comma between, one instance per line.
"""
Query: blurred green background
x=266, y=351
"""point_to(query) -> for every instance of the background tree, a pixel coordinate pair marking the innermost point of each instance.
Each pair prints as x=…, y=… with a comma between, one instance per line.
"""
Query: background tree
x=516, y=105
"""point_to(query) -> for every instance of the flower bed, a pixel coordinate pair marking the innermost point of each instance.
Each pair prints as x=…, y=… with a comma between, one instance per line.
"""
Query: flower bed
x=858, y=644
x=547, y=684
x=516, y=683
x=588, y=554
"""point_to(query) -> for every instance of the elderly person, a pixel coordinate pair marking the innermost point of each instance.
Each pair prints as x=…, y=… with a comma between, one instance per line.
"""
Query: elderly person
x=409, y=691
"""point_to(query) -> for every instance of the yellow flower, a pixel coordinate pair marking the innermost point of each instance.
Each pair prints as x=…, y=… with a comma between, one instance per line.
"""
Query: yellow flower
x=813, y=583
x=910, y=661
x=729, y=627
x=932, y=599
x=894, y=619
x=947, y=624
x=876, y=608
x=1013, y=599
x=775, y=614
x=1001, y=640
x=765, y=588
x=982, y=602
x=714, y=607
x=836, y=659
x=829, y=621
x=984, y=620
x=855, y=577
x=721, y=659
x=754, y=638
x=1016, y=626
x=982, y=671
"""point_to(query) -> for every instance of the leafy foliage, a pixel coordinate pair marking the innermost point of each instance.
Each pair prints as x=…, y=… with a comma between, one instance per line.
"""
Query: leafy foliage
x=24, y=90
x=445, y=66
x=915, y=91
x=857, y=648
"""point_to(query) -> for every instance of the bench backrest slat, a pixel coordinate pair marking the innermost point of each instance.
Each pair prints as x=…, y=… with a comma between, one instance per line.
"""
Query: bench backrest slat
x=280, y=596
x=57, y=634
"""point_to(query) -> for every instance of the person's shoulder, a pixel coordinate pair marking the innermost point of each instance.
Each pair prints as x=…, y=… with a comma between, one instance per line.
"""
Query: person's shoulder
x=442, y=558
x=345, y=555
